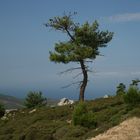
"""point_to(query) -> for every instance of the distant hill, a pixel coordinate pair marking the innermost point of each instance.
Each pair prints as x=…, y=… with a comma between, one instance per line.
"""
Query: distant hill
x=11, y=102
x=52, y=102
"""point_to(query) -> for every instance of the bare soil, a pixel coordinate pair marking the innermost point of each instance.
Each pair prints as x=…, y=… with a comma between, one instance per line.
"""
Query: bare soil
x=127, y=130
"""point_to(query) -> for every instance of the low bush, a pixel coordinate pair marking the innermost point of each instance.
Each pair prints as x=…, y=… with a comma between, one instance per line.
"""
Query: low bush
x=132, y=97
x=83, y=117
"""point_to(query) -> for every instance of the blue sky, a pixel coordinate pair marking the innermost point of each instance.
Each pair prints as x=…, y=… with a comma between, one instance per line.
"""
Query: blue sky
x=25, y=44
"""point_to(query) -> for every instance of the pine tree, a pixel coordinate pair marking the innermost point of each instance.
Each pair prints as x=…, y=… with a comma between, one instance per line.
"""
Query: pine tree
x=35, y=99
x=135, y=82
x=121, y=89
x=83, y=44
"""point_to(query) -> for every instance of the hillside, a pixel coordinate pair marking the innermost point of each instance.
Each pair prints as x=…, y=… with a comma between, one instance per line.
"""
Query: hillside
x=11, y=102
x=55, y=123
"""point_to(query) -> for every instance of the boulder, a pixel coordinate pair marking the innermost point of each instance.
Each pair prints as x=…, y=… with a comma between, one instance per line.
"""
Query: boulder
x=106, y=96
x=7, y=111
x=32, y=111
x=65, y=101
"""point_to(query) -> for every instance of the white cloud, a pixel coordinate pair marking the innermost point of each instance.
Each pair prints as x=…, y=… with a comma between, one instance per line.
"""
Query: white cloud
x=136, y=73
x=126, y=17
x=118, y=73
x=108, y=73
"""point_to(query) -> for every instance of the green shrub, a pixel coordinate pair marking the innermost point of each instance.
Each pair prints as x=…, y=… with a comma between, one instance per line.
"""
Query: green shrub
x=82, y=116
x=77, y=131
x=115, y=119
x=133, y=96
x=35, y=99
x=2, y=110
x=135, y=112
x=61, y=132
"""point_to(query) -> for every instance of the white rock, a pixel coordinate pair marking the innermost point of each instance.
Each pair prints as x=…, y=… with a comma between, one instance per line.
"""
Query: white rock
x=4, y=118
x=32, y=111
x=65, y=101
x=106, y=96
x=10, y=110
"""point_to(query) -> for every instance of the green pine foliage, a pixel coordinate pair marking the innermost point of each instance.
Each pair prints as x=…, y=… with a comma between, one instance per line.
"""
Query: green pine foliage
x=85, y=40
x=121, y=89
x=35, y=99
x=135, y=82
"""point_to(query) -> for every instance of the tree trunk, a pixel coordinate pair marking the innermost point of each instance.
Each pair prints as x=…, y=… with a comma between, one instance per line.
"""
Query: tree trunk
x=84, y=82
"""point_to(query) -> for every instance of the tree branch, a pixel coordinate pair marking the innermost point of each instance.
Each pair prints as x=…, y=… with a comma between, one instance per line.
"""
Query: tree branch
x=72, y=38
x=78, y=82
x=77, y=75
x=69, y=70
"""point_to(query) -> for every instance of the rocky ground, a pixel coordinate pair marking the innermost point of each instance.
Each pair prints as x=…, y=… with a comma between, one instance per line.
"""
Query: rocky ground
x=127, y=130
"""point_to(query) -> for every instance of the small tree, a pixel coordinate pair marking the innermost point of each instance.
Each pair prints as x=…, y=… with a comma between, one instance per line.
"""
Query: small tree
x=82, y=47
x=35, y=99
x=121, y=89
x=135, y=82
x=132, y=97
x=2, y=110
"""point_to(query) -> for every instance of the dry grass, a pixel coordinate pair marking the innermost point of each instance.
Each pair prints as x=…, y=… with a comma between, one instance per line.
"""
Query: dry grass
x=127, y=130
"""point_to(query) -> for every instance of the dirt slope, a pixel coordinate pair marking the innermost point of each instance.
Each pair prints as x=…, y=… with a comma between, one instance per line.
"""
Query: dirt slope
x=127, y=130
